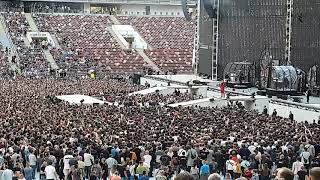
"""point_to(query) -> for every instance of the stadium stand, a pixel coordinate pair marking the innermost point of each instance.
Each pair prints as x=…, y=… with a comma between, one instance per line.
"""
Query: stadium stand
x=87, y=44
x=140, y=136
x=31, y=57
x=171, y=39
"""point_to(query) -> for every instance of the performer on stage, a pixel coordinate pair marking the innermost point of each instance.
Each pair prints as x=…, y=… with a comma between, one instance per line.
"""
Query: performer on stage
x=222, y=89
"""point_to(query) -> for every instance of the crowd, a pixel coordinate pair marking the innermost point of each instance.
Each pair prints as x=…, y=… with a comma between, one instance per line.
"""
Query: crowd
x=137, y=137
x=63, y=141
x=31, y=56
x=152, y=99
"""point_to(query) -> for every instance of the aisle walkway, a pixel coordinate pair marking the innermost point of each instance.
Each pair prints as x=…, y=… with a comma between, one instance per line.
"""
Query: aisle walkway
x=4, y=40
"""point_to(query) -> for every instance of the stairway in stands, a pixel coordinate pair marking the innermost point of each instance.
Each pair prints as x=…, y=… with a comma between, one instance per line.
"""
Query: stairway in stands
x=6, y=42
x=46, y=52
x=146, y=59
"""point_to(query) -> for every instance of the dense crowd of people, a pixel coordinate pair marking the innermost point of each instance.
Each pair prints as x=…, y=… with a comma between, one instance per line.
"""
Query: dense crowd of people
x=138, y=136
x=63, y=141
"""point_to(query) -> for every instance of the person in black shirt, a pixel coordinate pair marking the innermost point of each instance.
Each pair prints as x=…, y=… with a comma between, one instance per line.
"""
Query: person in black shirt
x=290, y=116
x=308, y=94
x=302, y=173
x=274, y=114
x=122, y=171
x=265, y=111
x=282, y=162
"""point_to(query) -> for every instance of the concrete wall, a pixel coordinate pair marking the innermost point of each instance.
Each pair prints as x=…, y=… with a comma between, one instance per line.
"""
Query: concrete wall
x=153, y=82
x=166, y=11
x=132, y=9
x=218, y=104
x=123, y=31
x=86, y=8
x=158, y=10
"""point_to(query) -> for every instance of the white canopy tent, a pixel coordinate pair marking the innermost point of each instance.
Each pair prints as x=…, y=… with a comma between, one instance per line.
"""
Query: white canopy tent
x=77, y=98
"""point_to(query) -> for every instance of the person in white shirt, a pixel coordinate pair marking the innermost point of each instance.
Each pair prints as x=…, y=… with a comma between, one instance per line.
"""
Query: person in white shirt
x=7, y=174
x=297, y=166
x=230, y=166
x=88, y=159
x=252, y=148
x=66, y=167
x=147, y=158
x=32, y=159
x=305, y=156
x=50, y=172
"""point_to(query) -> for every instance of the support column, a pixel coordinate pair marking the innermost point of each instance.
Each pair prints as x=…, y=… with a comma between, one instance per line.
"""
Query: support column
x=215, y=42
x=288, y=31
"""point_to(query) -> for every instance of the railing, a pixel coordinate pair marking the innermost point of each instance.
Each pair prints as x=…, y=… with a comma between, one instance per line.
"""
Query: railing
x=295, y=104
x=166, y=2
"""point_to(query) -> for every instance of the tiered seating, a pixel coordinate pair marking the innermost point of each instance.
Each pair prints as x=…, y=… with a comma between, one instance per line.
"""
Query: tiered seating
x=169, y=59
x=87, y=44
x=170, y=37
x=31, y=58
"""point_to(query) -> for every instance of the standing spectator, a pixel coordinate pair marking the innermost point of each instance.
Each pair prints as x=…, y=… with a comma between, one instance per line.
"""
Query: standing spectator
x=204, y=171
x=81, y=166
x=192, y=155
x=290, y=116
x=230, y=164
x=28, y=172
x=66, y=164
x=302, y=174
x=1, y=159
x=274, y=113
x=308, y=94
x=147, y=158
x=50, y=172
x=305, y=159
x=96, y=171
x=311, y=150
x=237, y=169
x=285, y=174
x=32, y=160
x=315, y=173
x=265, y=172
x=110, y=163
x=141, y=168
x=144, y=176
x=265, y=111
x=7, y=174
x=297, y=166
x=88, y=161
x=195, y=172
x=214, y=176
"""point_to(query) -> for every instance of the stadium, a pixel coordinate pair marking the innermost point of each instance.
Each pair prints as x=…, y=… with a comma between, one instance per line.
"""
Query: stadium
x=159, y=90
